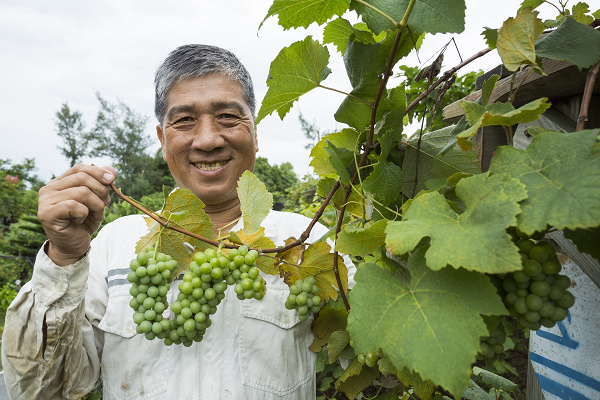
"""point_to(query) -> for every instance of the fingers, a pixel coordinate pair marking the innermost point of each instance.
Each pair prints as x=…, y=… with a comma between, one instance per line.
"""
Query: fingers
x=92, y=177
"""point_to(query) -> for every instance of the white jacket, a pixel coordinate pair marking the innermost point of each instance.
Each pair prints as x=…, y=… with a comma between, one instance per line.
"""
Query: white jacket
x=253, y=350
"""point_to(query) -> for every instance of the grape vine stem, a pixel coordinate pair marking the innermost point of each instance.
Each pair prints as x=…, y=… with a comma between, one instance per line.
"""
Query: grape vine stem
x=587, y=96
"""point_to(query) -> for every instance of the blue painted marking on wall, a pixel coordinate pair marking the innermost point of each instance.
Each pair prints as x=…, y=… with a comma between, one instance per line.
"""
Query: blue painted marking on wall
x=566, y=371
x=564, y=340
x=561, y=391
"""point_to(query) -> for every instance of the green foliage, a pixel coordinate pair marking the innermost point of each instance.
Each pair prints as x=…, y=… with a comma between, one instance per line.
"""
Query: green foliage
x=517, y=37
x=7, y=295
x=277, y=178
x=301, y=13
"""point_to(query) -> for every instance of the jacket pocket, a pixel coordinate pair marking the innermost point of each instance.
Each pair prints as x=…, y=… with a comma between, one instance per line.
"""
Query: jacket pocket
x=133, y=368
x=274, y=354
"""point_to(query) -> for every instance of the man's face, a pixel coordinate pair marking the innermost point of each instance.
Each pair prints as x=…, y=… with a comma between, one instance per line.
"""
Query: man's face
x=208, y=137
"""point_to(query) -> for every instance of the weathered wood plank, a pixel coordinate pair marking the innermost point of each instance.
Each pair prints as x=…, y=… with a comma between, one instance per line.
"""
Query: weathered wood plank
x=534, y=390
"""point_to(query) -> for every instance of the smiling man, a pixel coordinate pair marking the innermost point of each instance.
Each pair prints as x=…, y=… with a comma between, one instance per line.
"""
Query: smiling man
x=74, y=314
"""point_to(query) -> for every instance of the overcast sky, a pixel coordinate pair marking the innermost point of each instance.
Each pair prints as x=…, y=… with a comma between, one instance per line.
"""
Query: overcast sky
x=52, y=52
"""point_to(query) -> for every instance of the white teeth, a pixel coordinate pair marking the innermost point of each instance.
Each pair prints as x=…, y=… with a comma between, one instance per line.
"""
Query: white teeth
x=211, y=166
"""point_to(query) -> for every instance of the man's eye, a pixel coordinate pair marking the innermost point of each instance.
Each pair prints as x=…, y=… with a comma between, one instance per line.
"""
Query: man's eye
x=184, y=119
x=227, y=116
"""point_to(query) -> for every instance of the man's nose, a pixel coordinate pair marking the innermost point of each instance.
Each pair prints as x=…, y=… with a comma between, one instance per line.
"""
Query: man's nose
x=207, y=135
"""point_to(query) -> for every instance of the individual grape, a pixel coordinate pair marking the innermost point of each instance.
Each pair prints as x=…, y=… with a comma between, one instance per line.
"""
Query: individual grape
x=559, y=314
x=566, y=301
x=562, y=281
x=532, y=268
x=539, y=253
x=371, y=359
x=521, y=306
x=534, y=302
x=551, y=267
x=540, y=288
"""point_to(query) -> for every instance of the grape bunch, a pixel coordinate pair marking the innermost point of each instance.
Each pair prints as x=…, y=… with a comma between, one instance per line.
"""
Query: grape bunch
x=200, y=292
x=492, y=345
x=368, y=358
x=303, y=297
x=150, y=277
x=536, y=295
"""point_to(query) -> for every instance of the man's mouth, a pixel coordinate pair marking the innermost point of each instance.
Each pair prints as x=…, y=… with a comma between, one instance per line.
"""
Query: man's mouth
x=210, y=166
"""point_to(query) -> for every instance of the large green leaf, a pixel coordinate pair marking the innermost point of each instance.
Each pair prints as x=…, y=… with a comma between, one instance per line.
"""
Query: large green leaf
x=430, y=165
x=562, y=175
x=384, y=182
x=296, y=70
x=475, y=240
x=586, y=240
x=255, y=201
x=302, y=13
x=572, y=41
x=517, y=37
x=498, y=114
x=179, y=202
x=438, y=316
x=432, y=16
x=361, y=241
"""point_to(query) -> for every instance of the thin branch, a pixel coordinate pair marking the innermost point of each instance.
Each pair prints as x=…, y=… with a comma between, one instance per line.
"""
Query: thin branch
x=444, y=78
x=347, y=94
x=338, y=228
x=419, y=147
x=514, y=94
x=587, y=96
x=378, y=11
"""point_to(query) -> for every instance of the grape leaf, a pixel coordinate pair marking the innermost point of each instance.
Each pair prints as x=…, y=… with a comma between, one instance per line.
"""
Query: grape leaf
x=430, y=165
x=488, y=88
x=348, y=139
x=302, y=13
x=432, y=16
x=338, y=32
x=474, y=392
x=439, y=315
x=255, y=201
x=171, y=242
x=423, y=388
x=572, y=41
x=361, y=241
x=498, y=114
x=579, y=13
x=596, y=14
x=586, y=240
x=491, y=37
x=517, y=37
x=318, y=261
x=356, y=378
x=340, y=159
x=337, y=343
x=292, y=255
x=495, y=381
x=384, y=181
x=257, y=240
x=562, y=175
x=296, y=70
x=333, y=317
x=475, y=240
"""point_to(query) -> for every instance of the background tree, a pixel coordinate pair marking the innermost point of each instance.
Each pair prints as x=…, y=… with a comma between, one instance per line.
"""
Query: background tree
x=118, y=133
x=277, y=179
x=71, y=128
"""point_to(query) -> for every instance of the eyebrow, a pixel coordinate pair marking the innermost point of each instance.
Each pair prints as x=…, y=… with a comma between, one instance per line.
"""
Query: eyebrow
x=215, y=106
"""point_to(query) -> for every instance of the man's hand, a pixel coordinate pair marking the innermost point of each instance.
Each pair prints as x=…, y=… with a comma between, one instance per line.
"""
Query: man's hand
x=71, y=208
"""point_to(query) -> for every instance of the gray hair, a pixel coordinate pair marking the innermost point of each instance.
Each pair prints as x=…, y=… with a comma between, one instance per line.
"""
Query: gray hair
x=195, y=61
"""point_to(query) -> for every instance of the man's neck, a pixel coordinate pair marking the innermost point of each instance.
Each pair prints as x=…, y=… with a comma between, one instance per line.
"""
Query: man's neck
x=224, y=216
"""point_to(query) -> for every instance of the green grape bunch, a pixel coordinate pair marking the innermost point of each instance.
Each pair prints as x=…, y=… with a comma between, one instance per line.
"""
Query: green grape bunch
x=537, y=295
x=303, y=297
x=200, y=292
x=370, y=358
x=150, y=277
x=492, y=345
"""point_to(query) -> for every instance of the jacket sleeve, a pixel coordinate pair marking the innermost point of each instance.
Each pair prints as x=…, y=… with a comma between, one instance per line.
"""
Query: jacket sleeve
x=60, y=361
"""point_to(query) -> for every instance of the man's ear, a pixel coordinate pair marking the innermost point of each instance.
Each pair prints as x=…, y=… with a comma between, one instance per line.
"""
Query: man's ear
x=161, y=137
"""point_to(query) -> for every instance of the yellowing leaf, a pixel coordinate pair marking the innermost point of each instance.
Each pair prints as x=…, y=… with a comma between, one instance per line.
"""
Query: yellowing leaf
x=179, y=202
x=331, y=318
x=318, y=261
x=255, y=201
x=517, y=37
x=292, y=255
x=257, y=240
